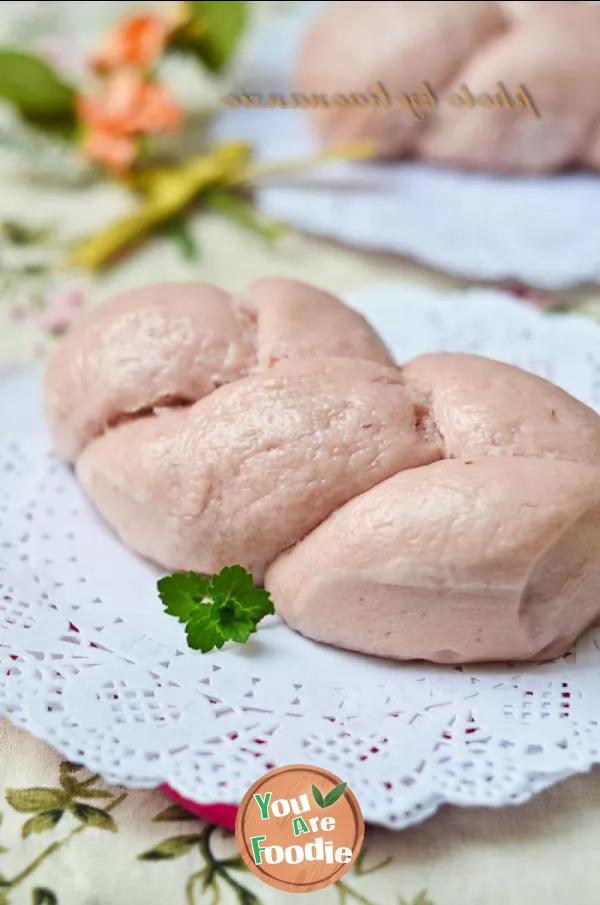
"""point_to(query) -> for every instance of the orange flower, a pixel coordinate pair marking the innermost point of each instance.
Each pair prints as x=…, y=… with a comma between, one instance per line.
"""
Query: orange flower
x=115, y=152
x=137, y=41
x=127, y=106
x=157, y=112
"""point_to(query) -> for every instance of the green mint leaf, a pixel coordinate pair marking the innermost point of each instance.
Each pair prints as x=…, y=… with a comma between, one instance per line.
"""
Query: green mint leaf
x=318, y=797
x=32, y=86
x=234, y=585
x=181, y=593
x=231, y=582
x=334, y=794
x=236, y=625
x=214, y=31
x=226, y=607
x=202, y=630
x=258, y=604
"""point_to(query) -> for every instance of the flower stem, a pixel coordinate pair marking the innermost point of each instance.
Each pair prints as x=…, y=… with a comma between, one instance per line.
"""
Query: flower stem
x=346, y=892
x=190, y=898
x=43, y=856
x=219, y=868
x=359, y=150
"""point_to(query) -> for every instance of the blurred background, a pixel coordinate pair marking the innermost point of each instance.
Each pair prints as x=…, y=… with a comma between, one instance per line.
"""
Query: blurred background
x=75, y=167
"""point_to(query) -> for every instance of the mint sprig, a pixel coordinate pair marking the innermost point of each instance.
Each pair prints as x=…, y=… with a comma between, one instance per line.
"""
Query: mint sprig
x=223, y=607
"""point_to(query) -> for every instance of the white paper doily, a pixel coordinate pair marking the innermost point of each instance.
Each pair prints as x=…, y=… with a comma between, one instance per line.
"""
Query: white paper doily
x=543, y=231
x=90, y=663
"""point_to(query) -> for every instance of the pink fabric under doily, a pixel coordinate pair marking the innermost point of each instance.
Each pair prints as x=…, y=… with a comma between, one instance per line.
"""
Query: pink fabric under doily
x=221, y=814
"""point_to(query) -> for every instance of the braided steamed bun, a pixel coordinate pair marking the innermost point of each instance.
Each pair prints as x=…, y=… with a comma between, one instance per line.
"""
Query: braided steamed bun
x=447, y=510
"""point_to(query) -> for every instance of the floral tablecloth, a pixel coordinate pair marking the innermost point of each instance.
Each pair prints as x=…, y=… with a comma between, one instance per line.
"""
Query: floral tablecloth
x=67, y=838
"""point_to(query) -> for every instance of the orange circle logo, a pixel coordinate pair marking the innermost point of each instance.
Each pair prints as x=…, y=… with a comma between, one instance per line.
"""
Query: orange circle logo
x=299, y=828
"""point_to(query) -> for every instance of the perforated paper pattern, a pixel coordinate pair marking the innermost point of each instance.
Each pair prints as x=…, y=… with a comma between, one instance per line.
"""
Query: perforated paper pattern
x=90, y=663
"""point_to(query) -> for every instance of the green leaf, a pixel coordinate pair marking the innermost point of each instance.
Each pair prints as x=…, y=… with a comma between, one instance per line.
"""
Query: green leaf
x=236, y=626
x=93, y=793
x=359, y=865
x=68, y=767
x=179, y=231
x=69, y=784
x=234, y=584
x=173, y=812
x=231, y=582
x=214, y=31
x=174, y=847
x=420, y=899
x=28, y=801
x=43, y=896
x=93, y=817
x=4, y=882
x=242, y=212
x=17, y=233
x=201, y=880
x=234, y=864
x=34, y=88
x=181, y=593
x=247, y=897
x=74, y=788
x=202, y=631
x=47, y=820
x=318, y=797
x=3, y=850
x=226, y=607
x=335, y=794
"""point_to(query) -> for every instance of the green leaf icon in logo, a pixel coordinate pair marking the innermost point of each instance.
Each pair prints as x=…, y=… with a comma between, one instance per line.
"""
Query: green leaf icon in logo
x=318, y=797
x=334, y=795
